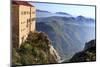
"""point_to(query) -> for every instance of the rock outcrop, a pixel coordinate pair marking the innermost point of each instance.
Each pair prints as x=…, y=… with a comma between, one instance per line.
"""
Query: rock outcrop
x=54, y=53
x=36, y=50
x=88, y=54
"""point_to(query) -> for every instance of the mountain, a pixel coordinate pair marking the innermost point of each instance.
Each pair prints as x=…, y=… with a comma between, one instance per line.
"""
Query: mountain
x=89, y=45
x=68, y=37
x=68, y=34
x=62, y=13
x=43, y=13
x=80, y=19
x=84, y=20
x=88, y=54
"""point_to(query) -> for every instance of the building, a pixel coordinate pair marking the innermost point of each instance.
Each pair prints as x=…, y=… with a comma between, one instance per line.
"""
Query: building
x=23, y=21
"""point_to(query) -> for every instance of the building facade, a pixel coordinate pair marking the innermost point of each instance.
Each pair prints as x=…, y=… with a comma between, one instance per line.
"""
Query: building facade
x=23, y=21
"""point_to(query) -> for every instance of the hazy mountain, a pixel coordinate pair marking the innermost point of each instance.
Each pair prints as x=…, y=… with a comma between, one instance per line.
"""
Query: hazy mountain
x=68, y=34
x=63, y=13
x=83, y=20
x=42, y=13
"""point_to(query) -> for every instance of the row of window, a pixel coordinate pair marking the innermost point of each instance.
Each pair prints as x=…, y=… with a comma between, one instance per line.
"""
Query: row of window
x=22, y=22
x=28, y=23
x=28, y=20
x=26, y=12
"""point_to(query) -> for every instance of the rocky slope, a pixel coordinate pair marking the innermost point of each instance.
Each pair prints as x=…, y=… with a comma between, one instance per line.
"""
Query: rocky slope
x=88, y=54
x=36, y=50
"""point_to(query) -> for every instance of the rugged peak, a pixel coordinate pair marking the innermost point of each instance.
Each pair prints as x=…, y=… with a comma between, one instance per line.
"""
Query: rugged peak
x=88, y=54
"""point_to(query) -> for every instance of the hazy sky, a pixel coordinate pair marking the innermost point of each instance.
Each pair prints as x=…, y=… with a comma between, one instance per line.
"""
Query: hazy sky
x=76, y=10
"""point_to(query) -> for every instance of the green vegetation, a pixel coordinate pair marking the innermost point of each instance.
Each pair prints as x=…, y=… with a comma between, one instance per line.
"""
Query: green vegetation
x=34, y=51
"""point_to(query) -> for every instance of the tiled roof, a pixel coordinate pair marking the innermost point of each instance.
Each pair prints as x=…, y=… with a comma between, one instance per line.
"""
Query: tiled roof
x=22, y=3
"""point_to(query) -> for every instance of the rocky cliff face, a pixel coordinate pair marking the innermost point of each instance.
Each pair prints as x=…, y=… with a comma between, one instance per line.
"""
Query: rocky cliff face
x=36, y=50
x=54, y=53
x=88, y=54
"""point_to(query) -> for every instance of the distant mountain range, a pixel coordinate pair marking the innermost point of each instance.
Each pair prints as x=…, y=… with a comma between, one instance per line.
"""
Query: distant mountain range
x=67, y=33
x=62, y=13
x=84, y=19
x=42, y=13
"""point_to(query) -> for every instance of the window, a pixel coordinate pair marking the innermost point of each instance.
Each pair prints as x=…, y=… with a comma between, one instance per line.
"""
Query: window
x=22, y=22
x=22, y=13
x=22, y=29
x=27, y=12
x=33, y=12
x=27, y=22
x=33, y=19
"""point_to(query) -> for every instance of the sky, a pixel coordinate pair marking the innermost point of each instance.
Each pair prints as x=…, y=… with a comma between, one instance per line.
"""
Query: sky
x=75, y=10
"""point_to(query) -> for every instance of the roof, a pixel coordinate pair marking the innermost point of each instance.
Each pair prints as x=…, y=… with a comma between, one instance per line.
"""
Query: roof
x=22, y=3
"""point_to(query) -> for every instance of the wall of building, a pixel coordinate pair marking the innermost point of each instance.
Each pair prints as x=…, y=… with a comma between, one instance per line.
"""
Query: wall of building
x=23, y=21
x=26, y=14
x=33, y=18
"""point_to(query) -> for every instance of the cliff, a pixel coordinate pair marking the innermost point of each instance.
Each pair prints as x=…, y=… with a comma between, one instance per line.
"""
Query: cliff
x=88, y=54
x=37, y=49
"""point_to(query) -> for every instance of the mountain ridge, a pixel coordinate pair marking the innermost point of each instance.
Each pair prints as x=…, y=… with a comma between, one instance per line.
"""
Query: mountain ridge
x=62, y=14
x=64, y=33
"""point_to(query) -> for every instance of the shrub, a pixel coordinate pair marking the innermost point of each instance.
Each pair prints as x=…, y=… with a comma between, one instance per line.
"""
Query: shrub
x=34, y=51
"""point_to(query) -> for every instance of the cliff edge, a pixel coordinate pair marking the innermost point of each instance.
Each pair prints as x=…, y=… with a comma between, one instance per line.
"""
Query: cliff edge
x=37, y=49
x=88, y=54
